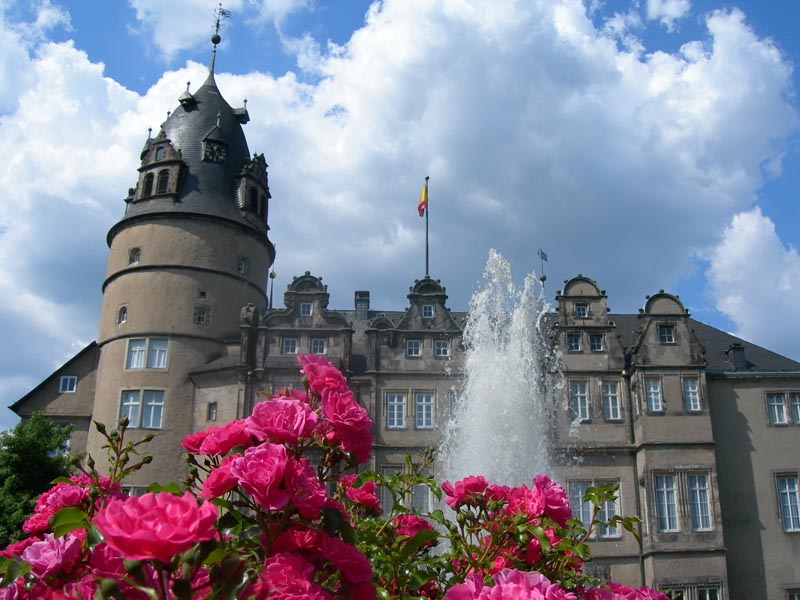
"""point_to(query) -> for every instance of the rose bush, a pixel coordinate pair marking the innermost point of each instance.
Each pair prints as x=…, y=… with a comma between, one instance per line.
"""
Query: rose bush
x=255, y=520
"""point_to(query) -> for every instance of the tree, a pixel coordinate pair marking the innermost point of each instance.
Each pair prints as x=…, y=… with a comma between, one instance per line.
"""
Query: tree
x=32, y=455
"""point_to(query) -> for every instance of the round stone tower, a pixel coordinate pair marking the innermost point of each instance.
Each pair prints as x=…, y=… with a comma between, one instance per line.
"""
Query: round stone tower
x=190, y=251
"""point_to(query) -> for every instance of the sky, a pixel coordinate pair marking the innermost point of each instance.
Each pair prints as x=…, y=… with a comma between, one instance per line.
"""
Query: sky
x=647, y=144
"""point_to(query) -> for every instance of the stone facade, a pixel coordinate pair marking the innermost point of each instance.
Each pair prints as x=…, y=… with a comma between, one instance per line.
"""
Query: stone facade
x=700, y=430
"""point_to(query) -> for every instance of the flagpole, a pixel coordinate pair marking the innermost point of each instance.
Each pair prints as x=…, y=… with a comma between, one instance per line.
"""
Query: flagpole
x=427, y=211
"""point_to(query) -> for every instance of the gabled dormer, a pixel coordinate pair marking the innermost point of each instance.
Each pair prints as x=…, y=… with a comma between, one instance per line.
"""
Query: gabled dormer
x=664, y=336
x=160, y=170
x=582, y=303
x=252, y=188
x=427, y=309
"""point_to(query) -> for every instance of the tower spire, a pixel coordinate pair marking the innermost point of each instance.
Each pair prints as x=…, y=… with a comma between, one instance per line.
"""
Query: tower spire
x=219, y=15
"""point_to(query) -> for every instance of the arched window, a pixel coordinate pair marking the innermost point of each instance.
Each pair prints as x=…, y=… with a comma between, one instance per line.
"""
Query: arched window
x=160, y=153
x=163, y=180
x=252, y=203
x=147, y=188
x=122, y=315
x=134, y=255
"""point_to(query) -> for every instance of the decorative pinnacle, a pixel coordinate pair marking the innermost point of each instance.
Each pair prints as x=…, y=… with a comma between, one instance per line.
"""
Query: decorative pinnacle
x=219, y=15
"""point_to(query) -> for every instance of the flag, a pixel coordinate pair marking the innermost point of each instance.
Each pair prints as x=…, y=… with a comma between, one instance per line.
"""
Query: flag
x=542, y=255
x=423, y=199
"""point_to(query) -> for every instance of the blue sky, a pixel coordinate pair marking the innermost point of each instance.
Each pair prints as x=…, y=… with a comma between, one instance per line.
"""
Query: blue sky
x=648, y=144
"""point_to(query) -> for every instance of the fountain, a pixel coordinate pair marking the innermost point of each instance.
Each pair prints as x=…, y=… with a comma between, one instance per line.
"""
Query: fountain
x=502, y=427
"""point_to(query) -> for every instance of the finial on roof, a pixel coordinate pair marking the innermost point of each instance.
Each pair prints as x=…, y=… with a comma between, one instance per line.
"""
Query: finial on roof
x=188, y=83
x=169, y=112
x=219, y=114
x=219, y=14
x=149, y=132
x=245, y=103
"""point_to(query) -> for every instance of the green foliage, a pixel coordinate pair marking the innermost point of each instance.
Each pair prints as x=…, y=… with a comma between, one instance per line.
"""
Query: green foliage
x=32, y=456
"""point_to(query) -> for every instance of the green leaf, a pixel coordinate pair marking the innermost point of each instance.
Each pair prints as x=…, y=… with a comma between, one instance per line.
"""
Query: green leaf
x=437, y=516
x=171, y=487
x=68, y=519
x=413, y=544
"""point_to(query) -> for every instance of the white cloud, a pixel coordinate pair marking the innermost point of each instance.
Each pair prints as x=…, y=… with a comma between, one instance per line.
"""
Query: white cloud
x=537, y=130
x=755, y=280
x=667, y=12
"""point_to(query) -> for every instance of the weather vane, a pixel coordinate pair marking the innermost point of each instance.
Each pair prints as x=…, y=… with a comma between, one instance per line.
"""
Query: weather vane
x=220, y=14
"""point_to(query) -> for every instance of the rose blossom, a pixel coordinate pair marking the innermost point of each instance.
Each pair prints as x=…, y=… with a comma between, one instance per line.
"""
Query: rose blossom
x=321, y=374
x=52, y=554
x=467, y=491
x=411, y=525
x=529, y=502
x=216, y=441
x=156, y=526
x=351, y=422
x=556, y=503
x=220, y=481
x=306, y=492
x=353, y=566
x=365, y=495
x=281, y=420
x=260, y=471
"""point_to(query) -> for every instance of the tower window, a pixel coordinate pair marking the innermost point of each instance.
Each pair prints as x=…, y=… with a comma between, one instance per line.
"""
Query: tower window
x=242, y=267
x=122, y=315
x=134, y=254
x=144, y=408
x=147, y=187
x=160, y=153
x=202, y=315
x=163, y=181
x=252, y=202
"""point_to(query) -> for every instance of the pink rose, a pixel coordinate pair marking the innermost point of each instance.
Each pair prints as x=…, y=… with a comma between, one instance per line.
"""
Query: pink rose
x=216, y=441
x=411, y=525
x=321, y=374
x=350, y=421
x=366, y=495
x=281, y=420
x=353, y=566
x=52, y=554
x=556, y=503
x=296, y=538
x=468, y=491
x=156, y=526
x=260, y=471
x=529, y=502
x=220, y=481
x=305, y=491
x=38, y=522
x=16, y=548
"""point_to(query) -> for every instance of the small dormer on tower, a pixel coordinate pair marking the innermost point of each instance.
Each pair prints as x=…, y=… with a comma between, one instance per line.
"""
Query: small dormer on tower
x=252, y=189
x=160, y=172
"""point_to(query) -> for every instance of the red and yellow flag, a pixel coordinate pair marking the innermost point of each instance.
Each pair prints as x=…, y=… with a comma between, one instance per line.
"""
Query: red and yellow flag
x=423, y=199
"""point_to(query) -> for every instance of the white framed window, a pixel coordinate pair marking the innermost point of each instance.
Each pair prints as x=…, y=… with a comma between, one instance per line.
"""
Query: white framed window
x=691, y=394
x=134, y=256
x=427, y=311
x=652, y=390
x=611, y=411
x=580, y=510
x=67, y=384
x=666, y=334
x=581, y=311
x=596, y=342
x=579, y=400
x=608, y=511
x=666, y=503
x=305, y=309
x=387, y=501
x=789, y=502
x=144, y=408
x=395, y=410
x=413, y=348
x=318, y=346
x=150, y=353
x=699, y=502
x=423, y=410
x=202, y=315
x=242, y=265
x=794, y=408
x=211, y=412
x=776, y=406
x=289, y=346
x=709, y=593
x=122, y=315
x=133, y=490
x=684, y=591
x=441, y=348
x=573, y=342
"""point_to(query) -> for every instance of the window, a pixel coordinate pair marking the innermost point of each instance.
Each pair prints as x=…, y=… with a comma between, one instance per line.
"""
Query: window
x=134, y=255
x=154, y=350
x=427, y=311
x=420, y=501
x=607, y=512
x=652, y=388
x=596, y=342
x=794, y=406
x=708, y=593
x=305, y=309
x=581, y=311
x=289, y=346
x=202, y=316
x=583, y=510
x=666, y=334
x=122, y=315
x=67, y=384
x=692, y=592
x=387, y=501
x=413, y=348
x=133, y=490
x=160, y=153
x=163, y=181
x=453, y=401
x=666, y=503
x=573, y=342
x=317, y=345
x=441, y=348
x=699, y=504
x=143, y=408
x=147, y=188
x=211, y=412
x=793, y=594
x=252, y=199
x=675, y=592
x=777, y=409
x=691, y=395
x=423, y=404
x=789, y=502
x=610, y=391
x=579, y=397
x=395, y=411
x=242, y=266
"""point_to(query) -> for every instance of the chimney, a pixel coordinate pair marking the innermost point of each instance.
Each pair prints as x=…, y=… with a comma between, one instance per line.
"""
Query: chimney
x=362, y=305
x=736, y=356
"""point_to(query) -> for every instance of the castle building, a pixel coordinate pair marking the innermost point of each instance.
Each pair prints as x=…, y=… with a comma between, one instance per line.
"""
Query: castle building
x=699, y=429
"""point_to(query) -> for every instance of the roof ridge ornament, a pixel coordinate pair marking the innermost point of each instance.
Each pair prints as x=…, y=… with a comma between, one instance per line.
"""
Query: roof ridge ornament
x=219, y=15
